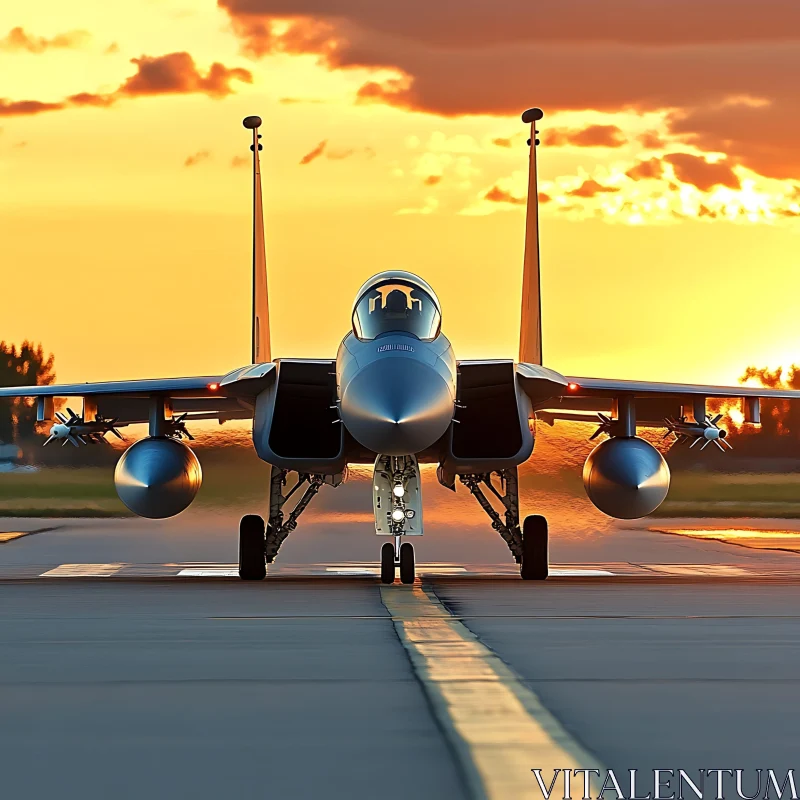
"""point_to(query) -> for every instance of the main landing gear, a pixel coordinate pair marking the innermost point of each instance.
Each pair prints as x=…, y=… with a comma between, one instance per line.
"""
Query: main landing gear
x=259, y=543
x=397, y=503
x=529, y=546
x=252, y=565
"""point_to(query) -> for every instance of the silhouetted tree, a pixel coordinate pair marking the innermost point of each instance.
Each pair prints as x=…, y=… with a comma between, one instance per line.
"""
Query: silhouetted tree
x=778, y=417
x=26, y=366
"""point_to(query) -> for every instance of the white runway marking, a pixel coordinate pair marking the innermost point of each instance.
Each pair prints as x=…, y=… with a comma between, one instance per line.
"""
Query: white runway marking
x=498, y=728
x=214, y=572
x=577, y=573
x=352, y=570
x=83, y=571
x=429, y=571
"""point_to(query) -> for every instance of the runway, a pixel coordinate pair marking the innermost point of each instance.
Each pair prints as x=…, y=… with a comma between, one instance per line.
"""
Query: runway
x=134, y=665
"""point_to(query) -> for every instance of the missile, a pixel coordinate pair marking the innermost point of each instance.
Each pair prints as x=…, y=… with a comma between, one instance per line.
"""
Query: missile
x=706, y=432
x=176, y=428
x=76, y=431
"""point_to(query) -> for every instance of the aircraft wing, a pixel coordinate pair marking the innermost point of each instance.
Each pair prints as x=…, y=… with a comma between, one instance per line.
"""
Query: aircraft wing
x=564, y=397
x=220, y=397
x=605, y=387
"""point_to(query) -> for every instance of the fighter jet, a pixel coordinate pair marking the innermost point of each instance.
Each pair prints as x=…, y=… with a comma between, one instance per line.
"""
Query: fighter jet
x=395, y=396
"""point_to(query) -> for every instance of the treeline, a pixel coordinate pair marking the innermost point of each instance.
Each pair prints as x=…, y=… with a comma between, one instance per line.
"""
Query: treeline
x=27, y=365
x=779, y=432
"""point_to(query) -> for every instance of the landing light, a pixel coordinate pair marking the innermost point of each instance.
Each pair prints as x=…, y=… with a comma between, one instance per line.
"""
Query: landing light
x=398, y=515
x=573, y=387
x=399, y=490
x=212, y=387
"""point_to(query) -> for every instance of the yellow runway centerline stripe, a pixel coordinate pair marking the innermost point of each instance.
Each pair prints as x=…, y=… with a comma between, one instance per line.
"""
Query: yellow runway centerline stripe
x=11, y=535
x=497, y=726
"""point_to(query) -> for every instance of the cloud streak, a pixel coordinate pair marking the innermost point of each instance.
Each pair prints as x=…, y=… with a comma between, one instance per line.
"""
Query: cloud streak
x=197, y=158
x=313, y=155
x=703, y=174
x=591, y=188
x=17, y=40
x=593, y=136
x=334, y=154
x=170, y=74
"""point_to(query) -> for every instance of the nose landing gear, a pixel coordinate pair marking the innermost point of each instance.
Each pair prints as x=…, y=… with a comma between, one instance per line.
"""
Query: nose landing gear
x=397, y=503
x=393, y=557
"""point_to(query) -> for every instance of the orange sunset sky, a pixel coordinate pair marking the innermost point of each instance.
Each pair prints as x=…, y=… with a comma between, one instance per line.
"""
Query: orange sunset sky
x=669, y=172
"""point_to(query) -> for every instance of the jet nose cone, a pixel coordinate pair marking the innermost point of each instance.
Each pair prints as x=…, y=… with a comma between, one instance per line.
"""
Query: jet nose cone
x=397, y=406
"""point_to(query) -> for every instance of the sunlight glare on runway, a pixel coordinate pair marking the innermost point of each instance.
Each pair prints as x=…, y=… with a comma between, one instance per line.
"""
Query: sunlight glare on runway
x=745, y=537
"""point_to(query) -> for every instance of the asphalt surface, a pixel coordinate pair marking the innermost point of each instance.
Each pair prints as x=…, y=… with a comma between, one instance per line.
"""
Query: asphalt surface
x=301, y=686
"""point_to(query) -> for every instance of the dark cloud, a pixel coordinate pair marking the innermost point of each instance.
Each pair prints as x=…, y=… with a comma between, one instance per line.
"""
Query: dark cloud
x=652, y=140
x=304, y=34
x=705, y=211
x=698, y=172
x=17, y=40
x=593, y=136
x=761, y=137
x=498, y=195
x=197, y=158
x=313, y=155
x=112, y=49
x=652, y=168
x=176, y=73
x=89, y=99
x=240, y=161
x=591, y=188
x=657, y=22
x=24, y=108
x=432, y=180
x=503, y=141
x=568, y=54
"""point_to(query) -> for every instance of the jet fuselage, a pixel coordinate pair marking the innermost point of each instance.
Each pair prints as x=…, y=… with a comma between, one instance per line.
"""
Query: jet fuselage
x=396, y=393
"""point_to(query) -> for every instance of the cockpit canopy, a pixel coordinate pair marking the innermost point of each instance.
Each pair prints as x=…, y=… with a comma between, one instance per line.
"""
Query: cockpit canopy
x=393, y=302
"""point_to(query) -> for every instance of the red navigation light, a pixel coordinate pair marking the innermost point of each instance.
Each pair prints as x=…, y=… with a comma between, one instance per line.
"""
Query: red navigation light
x=573, y=387
x=212, y=387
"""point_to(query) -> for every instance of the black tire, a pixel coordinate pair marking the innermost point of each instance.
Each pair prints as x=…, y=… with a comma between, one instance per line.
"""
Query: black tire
x=252, y=564
x=387, y=563
x=535, y=552
x=407, y=562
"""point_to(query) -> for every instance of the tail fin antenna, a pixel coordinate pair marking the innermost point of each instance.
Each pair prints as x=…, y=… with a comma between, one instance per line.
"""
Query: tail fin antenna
x=261, y=335
x=530, y=333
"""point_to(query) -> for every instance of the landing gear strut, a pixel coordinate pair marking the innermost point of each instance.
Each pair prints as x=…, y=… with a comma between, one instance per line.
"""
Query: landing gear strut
x=529, y=546
x=259, y=543
x=397, y=505
x=278, y=530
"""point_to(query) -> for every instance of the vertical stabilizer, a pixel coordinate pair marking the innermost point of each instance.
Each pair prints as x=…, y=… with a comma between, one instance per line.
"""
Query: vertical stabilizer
x=530, y=332
x=261, y=339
